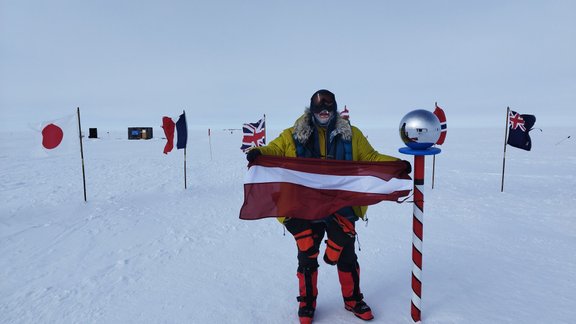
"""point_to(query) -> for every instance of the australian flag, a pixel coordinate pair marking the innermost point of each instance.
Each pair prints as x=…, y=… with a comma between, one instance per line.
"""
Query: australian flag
x=518, y=128
x=254, y=134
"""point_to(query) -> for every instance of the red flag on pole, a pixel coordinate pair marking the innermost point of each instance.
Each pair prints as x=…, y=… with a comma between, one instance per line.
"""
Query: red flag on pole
x=345, y=113
x=442, y=117
x=168, y=127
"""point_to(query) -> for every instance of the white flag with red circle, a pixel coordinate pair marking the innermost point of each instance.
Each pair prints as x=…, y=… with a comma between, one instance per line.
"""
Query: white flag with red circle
x=60, y=136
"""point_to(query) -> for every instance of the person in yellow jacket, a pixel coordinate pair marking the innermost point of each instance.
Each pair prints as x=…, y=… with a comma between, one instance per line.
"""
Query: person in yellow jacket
x=321, y=133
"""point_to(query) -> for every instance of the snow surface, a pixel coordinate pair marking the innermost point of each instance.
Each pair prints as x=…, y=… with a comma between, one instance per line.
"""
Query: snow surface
x=144, y=250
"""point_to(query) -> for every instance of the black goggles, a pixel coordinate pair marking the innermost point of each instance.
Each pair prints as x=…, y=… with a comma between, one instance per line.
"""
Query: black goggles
x=322, y=102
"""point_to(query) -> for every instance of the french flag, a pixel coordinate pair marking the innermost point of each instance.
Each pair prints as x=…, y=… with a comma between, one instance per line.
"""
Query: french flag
x=312, y=189
x=181, y=128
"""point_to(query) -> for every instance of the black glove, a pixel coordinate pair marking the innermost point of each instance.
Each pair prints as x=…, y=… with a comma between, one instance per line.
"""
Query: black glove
x=408, y=166
x=252, y=155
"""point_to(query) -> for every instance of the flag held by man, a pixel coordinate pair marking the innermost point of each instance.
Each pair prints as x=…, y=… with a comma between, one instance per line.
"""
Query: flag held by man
x=312, y=188
x=254, y=135
x=519, y=127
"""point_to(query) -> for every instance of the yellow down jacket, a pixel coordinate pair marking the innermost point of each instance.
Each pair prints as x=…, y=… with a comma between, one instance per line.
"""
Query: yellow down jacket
x=285, y=144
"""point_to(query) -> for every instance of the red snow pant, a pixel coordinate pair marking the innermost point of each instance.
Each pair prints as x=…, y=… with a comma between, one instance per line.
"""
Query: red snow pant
x=340, y=251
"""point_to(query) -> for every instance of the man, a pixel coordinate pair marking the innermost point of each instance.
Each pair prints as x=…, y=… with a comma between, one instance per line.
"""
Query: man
x=323, y=134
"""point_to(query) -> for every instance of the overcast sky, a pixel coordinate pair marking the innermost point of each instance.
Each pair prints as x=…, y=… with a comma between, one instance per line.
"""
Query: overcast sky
x=128, y=63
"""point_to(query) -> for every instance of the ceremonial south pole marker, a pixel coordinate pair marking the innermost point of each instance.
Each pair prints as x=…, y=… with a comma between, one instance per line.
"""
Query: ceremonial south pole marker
x=419, y=130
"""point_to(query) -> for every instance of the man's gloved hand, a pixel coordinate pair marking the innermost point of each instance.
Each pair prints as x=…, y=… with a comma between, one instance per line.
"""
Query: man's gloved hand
x=253, y=154
x=408, y=168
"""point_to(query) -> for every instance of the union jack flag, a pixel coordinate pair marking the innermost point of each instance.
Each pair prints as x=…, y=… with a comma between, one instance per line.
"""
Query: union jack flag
x=519, y=126
x=254, y=134
x=516, y=121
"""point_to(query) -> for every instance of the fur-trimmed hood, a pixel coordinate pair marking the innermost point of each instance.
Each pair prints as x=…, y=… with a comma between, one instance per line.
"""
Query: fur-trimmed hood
x=304, y=127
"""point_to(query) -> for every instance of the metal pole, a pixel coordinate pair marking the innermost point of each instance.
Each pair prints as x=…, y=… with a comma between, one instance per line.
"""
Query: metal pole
x=184, y=168
x=433, y=169
x=505, y=142
x=81, y=152
x=210, y=143
x=417, y=237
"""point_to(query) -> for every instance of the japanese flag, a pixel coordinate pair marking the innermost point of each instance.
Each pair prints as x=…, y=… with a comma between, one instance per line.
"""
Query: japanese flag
x=59, y=136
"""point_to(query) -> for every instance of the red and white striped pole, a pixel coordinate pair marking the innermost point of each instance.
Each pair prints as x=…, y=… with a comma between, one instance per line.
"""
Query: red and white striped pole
x=417, y=237
x=419, y=130
x=418, y=227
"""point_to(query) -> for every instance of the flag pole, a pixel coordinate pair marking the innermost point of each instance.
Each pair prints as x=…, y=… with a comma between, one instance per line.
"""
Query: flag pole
x=434, y=158
x=417, y=238
x=81, y=152
x=418, y=227
x=433, y=169
x=184, y=168
x=264, y=129
x=504, y=156
x=184, y=113
x=210, y=143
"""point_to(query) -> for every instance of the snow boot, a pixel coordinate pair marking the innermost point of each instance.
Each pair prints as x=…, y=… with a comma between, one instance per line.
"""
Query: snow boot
x=358, y=307
x=308, y=278
x=353, y=298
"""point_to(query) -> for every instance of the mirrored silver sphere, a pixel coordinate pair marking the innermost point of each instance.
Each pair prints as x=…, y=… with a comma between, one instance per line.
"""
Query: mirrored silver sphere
x=420, y=129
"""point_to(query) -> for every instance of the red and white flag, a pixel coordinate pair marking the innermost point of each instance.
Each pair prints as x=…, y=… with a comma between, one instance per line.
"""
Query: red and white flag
x=59, y=136
x=443, y=126
x=345, y=113
x=313, y=189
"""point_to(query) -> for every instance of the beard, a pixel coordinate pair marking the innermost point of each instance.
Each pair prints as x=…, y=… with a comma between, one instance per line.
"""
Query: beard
x=324, y=117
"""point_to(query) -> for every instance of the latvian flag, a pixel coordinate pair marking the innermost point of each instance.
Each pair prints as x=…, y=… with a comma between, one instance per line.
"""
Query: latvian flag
x=254, y=135
x=313, y=189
